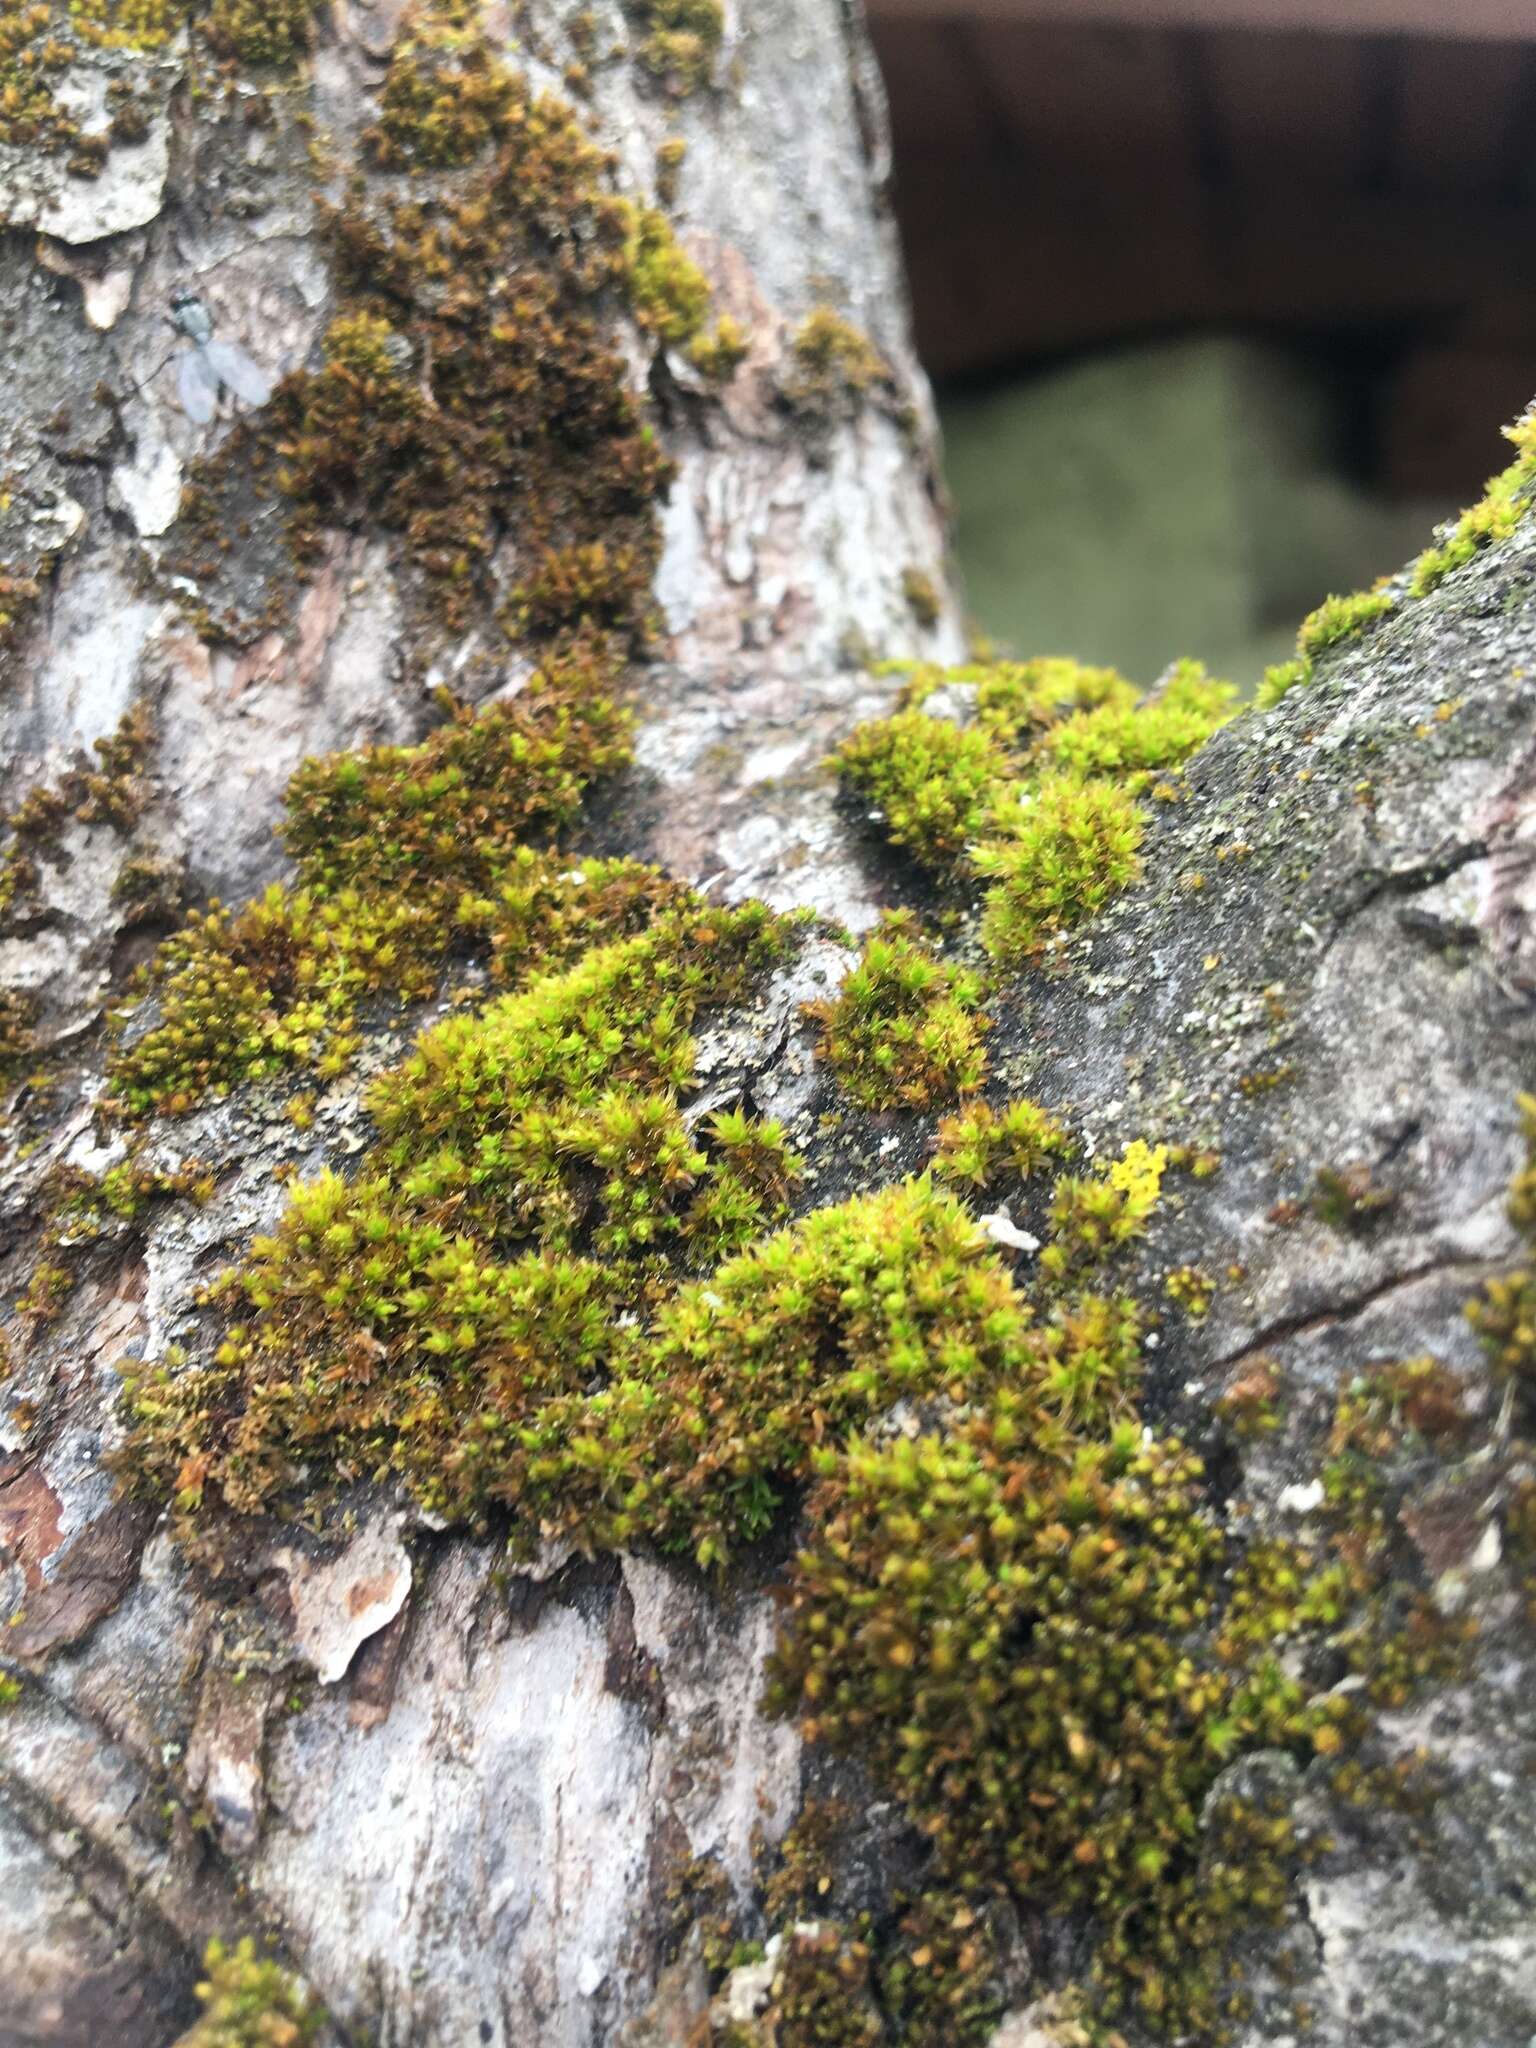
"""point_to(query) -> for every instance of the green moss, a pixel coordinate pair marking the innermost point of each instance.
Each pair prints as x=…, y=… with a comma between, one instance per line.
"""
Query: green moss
x=936, y=783
x=1017, y=698
x=251, y=2003
x=1059, y=858
x=921, y=594
x=1280, y=678
x=719, y=355
x=669, y=292
x=1134, y=744
x=834, y=367
x=405, y=856
x=1508, y=498
x=1005, y=1639
x=1348, y=1198
x=904, y=1029
x=1341, y=618
x=681, y=41
x=980, y=1145
x=474, y=390
x=275, y=33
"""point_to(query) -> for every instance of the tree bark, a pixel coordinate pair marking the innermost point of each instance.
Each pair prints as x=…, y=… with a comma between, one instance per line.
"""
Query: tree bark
x=459, y=1800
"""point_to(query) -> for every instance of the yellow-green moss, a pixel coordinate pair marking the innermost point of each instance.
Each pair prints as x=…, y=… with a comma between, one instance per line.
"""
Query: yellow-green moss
x=922, y=596
x=1135, y=743
x=680, y=41
x=405, y=855
x=1341, y=618
x=833, y=367
x=1508, y=498
x=275, y=33
x=936, y=783
x=249, y=2002
x=904, y=1030
x=980, y=1145
x=1061, y=854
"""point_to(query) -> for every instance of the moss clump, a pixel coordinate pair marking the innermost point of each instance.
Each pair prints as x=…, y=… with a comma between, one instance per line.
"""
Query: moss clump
x=1135, y=743
x=1508, y=498
x=274, y=33
x=1017, y=698
x=980, y=1145
x=936, y=783
x=1038, y=796
x=405, y=856
x=1503, y=1313
x=904, y=1029
x=1005, y=1639
x=474, y=389
x=668, y=291
x=1062, y=855
x=1341, y=618
x=251, y=2003
x=922, y=597
x=1280, y=678
x=834, y=367
x=719, y=355
x=680, y=42
x=112, y=792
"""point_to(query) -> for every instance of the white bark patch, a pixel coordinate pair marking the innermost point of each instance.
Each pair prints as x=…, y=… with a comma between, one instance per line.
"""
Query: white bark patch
x=340, y=1602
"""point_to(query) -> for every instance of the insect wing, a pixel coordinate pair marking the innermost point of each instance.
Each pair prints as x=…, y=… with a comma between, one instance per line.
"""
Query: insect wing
x=197, y=386
x=232, y=366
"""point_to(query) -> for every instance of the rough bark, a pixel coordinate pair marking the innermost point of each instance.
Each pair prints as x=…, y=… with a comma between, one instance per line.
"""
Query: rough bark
x=458, y=1797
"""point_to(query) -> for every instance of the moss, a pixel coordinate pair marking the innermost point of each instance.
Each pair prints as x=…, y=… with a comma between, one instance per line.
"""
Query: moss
x=18, y=1014
x=719, y=355
x=1058, y=860
x=1341, y=618
x=980, y=1145
x=921, y=595
x=1190, y=1289
x=1017, y=698
x=1134, y=744
x=668, y=291
x=113, y=791
x=250, y=2003
x=1348, y=1198
x=834, y=367
x=671, y=155
x=1280, y=678
x=1005, y=1640
x=405, y=855
x=474, y=389
x=275, y=33
x=680, y=42
x=1508, y=498
x=904, y=1029
x=936, y=783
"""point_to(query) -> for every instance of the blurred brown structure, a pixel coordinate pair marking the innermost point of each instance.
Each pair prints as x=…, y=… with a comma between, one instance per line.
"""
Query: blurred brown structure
x=1077, y=172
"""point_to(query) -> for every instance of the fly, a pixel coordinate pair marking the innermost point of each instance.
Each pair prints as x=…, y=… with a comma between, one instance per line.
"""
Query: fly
x=208, y=366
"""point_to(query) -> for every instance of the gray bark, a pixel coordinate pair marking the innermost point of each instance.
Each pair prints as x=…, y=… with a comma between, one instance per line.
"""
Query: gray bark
x=456, y=1800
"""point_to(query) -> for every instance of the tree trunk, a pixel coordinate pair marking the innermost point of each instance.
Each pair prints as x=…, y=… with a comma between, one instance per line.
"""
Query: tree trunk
x=465, y=1798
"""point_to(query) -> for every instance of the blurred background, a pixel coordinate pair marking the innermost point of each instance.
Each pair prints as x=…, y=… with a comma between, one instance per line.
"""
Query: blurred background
x=1224, y=300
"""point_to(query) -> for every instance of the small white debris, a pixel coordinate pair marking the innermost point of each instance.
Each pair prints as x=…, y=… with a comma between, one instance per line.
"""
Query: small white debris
x=1002, y=1229
x=591, y=1977
x=1301, y=1500
x=889, y=1144
x=575, y=876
